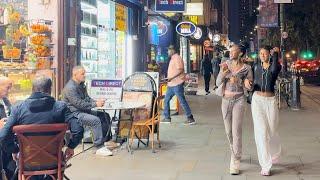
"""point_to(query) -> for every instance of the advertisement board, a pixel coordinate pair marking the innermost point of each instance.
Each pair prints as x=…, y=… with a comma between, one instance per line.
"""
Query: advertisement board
x=170, y=5
x=268, y=14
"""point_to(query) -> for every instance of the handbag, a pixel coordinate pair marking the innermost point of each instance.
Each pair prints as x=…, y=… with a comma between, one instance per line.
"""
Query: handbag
x=249, y=97
x=220, y=90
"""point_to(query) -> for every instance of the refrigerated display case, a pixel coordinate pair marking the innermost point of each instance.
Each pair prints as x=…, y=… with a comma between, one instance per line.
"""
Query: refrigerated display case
x=89, y=37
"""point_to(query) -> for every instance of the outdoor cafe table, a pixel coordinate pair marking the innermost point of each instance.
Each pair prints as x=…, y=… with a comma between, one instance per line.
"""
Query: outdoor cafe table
x=117, y=106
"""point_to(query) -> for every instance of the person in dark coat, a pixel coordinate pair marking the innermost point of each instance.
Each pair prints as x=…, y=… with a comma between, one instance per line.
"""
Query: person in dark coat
x=216, y=61
x=40, y=108
x=81, y=104
x=206, y=70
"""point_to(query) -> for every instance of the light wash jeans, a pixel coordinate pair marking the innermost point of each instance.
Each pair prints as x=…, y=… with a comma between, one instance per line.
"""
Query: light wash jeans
x=179, y=92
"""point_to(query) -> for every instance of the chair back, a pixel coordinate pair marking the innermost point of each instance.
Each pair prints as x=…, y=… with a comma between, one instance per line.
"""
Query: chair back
x=40, y=146
x=156, y=109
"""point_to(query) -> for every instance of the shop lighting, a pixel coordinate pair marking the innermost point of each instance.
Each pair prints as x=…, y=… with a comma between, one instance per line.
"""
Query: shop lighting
x=129, y=57
x=293, y=52
x=258, y=8
x=288, y=55
x=88, y=25
x=88, y=8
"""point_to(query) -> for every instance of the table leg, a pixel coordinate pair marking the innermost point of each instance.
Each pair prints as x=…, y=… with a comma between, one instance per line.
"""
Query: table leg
x=128, y=137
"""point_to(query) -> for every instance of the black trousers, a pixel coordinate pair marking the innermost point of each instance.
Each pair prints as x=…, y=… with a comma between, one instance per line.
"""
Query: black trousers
x=207, y=78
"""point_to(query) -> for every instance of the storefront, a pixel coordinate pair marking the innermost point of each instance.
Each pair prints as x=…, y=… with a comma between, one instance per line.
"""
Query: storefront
x=109, y=31
x=160, y=32
x=28, y=40
x=196, y=48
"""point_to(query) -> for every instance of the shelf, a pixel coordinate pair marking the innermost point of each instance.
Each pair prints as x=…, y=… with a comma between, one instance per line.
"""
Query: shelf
x=89, y=59
x=89, y=48
x=85, y=35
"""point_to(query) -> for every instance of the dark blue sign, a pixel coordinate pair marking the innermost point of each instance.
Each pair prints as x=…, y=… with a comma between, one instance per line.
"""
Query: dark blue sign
x=170, y=5
x=160, y=31
x=186, y=28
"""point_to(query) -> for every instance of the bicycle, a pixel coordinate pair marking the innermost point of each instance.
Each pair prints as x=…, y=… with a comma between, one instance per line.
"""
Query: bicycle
x=283, y=91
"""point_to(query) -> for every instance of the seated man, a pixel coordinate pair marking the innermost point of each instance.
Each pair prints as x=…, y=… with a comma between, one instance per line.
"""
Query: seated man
x=40, y=108
x=79, y=102
x=6, y=161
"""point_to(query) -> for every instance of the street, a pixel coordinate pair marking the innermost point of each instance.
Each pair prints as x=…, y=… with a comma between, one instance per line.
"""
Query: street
x=201, y=151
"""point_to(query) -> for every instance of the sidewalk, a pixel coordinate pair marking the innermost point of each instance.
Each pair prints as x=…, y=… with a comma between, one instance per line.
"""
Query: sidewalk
x=201, y=152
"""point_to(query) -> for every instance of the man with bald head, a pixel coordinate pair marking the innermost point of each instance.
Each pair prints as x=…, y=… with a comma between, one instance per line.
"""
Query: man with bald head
x=5, y=105
x=40, y=108
x=81, y=104
x=6, y=161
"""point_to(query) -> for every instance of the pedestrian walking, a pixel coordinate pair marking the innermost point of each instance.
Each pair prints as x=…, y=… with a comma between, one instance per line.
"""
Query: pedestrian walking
x=176, y=78
x=206, y=71
x=264, y=108
x=231, y=79
x=216, y=61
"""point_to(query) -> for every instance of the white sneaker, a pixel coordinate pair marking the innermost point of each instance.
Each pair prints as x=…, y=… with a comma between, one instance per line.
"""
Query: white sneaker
x=104, y=151
x=234, y=166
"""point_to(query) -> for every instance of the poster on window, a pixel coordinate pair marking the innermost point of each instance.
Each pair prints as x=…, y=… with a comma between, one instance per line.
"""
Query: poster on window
x=268, y=14
x=170, y=5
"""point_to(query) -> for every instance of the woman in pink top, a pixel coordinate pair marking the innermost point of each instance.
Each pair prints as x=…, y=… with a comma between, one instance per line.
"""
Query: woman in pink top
x=233, y=73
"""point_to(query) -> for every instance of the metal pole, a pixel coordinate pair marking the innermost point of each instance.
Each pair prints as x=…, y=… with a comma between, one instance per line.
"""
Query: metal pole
x=284, y=60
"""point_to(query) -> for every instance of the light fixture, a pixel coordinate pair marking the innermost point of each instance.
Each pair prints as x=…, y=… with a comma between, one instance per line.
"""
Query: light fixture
x=293, y=52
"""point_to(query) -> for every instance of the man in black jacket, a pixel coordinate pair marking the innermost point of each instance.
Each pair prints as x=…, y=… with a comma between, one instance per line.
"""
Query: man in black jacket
x=40, y=108
x=81, y=104
x=206, y=70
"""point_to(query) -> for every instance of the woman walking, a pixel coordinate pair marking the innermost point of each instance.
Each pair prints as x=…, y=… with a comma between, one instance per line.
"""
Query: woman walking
x=264, y=108
x=231, y=79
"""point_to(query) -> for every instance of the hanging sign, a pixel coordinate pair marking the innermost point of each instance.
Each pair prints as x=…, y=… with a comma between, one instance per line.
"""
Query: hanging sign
x=170, y=5
x=121, y=18
x=186, y=28
x=198, y=33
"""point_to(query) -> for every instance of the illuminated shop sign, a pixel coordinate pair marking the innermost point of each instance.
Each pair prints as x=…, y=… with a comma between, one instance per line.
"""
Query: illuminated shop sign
x=186, y=28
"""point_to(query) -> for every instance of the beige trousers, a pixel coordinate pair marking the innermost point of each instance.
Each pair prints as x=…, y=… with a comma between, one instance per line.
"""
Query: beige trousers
x=233, y=112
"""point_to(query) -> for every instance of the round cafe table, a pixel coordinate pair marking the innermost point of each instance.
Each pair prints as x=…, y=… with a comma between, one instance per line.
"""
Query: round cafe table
x=122, y=105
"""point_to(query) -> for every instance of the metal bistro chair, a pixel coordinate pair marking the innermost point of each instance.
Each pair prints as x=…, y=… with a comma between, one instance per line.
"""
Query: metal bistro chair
x=137, y=87
x=41, y=150
x=151, y=124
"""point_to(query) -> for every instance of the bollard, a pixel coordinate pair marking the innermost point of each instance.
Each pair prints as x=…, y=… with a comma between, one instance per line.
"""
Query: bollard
x=295, y=93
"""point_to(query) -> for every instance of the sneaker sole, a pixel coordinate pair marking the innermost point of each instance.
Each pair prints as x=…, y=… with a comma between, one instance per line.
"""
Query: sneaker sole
x=165, y=122
x=193, y=123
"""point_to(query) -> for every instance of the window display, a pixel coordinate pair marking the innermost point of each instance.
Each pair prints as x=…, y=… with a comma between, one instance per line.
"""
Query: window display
x=104, y=39
x=27, y=50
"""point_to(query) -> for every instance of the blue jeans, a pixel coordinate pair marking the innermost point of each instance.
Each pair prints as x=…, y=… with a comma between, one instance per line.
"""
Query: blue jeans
x=179, y=92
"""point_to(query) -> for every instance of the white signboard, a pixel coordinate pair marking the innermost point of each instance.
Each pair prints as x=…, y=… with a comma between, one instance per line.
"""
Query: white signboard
x=108, y=89
x=155, y=77
x=283, y=1
x=194, y=9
